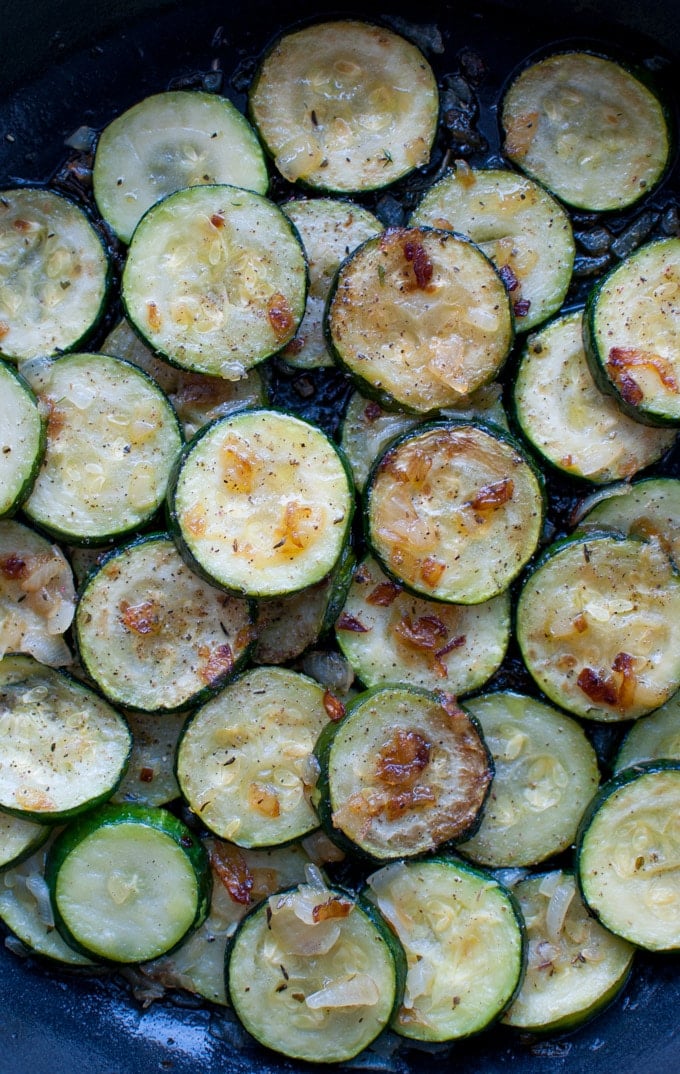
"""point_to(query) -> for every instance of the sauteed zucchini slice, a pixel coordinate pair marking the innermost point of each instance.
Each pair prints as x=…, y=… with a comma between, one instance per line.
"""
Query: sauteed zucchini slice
x=462, y=934
x=150, y=776
x=54, y=274
x=345, y=106
x=22, y=439
x=587, y=128
x=648, y=508
x=19, y=838
x=655, y=738
x=168, y=141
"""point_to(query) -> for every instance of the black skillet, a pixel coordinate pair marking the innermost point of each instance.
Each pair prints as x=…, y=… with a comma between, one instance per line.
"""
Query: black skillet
x=69, y=63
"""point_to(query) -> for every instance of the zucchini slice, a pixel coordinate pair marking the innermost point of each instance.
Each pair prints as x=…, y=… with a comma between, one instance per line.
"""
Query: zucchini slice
x=19, y=838
x=62, y=748
x=345, y=106
x=575, y=967
x=168, y=141
x=649, y=508
x=405, y=771
x=112, y=439
x=454, y=510
x=587, y=128
x=215, y=279
x=262, y=503
x=458, y=927
x=315, y=973
x=245, y=759
x=525, y=232
x=367, y=429
x=330, y=229
x=22, y=439
x=37, y=595
x=627, y=856
x=127, y=883
x=197, y=398
x=632, y=333
x=596, y=623
x=150, y=777
x=26, y=910
x=655, y=738
x=568, y=420
x=240, y=879
x=420, y=318
x=153, y=635
x=54, y=274
x=389, y=636
x=545, y=776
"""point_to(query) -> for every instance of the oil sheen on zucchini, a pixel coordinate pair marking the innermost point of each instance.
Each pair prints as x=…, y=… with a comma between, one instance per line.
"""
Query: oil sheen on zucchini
x=420, y=318
x=345, y=106
x=22, y=439
x=655, y=738
x=587, y=128
x=404, y=772
x=596, y=623
x=262, y=503
x=462, y=935
x=154, y=635
x=649, y=508
x=314, y=973
x=454, y=510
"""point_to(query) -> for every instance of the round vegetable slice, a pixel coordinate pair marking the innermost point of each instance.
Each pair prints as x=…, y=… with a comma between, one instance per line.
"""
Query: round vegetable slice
x=22, y=439
x=19, y=838
x=169, y=141
x=127, y=882
x=657, y=737
x=649, y=508
x=345, y=106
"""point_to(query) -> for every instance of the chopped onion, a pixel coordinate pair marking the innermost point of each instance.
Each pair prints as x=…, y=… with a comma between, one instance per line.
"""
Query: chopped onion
x=556, y=912
x=82, y=139
x=37, y=886
x=354, y=990
x=329, y=669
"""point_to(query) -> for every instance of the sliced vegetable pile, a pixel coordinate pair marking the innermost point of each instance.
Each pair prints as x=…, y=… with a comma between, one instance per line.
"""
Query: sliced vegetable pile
x=256, y=735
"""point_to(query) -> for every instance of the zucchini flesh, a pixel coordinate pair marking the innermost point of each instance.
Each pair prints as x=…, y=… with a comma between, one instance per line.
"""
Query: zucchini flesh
x=19, y=838
x=454, y=511
x=262, y=503
x=575, y=967
x=545, y=775
x=574, y=425
x=649, y=508
x=405, y=771
x=245, y=759
x=525, y=232
x=22, y=439
x=153, y=635
x=150, y=777
x=657, y=737
x=63, y=750
x=388, y=635
x=311, y=973
x=345, y=106
x=587, y=128
x=596, y=626
x=112, y=438
x=215, y=280
x=54, y=274
x=627, y=856
x=420, y=318
x=463, y=940
x=632, y=335
x=169, y=141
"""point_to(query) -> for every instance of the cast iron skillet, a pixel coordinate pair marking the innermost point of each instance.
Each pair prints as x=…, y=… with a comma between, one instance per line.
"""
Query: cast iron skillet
x=67, y=63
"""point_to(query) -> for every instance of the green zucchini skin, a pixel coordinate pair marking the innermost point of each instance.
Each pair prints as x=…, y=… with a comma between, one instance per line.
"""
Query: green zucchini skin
x=16, y=487
x=111, y=815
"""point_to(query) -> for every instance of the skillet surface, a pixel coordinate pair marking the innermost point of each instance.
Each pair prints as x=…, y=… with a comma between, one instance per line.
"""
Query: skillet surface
x=55, y=1023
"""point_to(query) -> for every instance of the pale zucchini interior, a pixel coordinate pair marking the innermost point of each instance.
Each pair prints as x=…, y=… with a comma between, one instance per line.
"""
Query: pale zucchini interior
x=587, y=128
x=524, y=231
x=150, y=777
x=53, y=273
x=421, y=315
x=286, y=626
x=463, y=946
x=215, y=279
x=454, y=512
x=18, y=837
x=329, y=230
x=63, y=747
x=571, y=422
x=596, y=623
x=168, y=141
x=545, y=775
x=154, y=635
x=20, y=438
x=649, y=508
x=628, y=861
x=112, y=438
x=345, y=106
x=127, y=892
x=388, y=635
x=263, y=503
x=655, y=738
x=574, y=965
x=245, y=760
